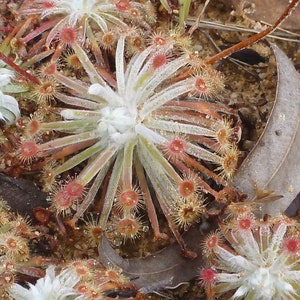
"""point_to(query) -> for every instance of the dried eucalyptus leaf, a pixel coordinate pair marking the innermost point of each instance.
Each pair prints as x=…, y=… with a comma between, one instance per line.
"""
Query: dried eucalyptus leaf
x=274, y=162
x=165, y=269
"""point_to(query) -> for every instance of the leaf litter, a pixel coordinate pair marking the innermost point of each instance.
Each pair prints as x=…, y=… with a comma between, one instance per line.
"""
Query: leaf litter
x=273, y=164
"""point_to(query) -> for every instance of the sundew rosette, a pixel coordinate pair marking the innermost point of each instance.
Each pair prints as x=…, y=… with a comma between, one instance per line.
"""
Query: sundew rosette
x=142, y=135
x=253, y=259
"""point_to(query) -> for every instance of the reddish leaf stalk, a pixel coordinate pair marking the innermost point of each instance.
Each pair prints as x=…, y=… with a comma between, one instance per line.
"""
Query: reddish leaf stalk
x=18, y=69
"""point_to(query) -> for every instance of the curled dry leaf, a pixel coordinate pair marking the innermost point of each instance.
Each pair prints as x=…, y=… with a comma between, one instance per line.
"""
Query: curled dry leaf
x=165, y=269
x=273, y=164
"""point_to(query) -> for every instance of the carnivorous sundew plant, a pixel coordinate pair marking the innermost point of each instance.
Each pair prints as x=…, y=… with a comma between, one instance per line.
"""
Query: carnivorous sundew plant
x=98, y=20
x=147, y=128
x=262, y=261
x=80, y=279
x=115, y=111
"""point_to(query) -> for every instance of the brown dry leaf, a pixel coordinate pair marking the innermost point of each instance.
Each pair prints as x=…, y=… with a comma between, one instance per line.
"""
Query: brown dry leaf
x=274, y=164
x=165, y=269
